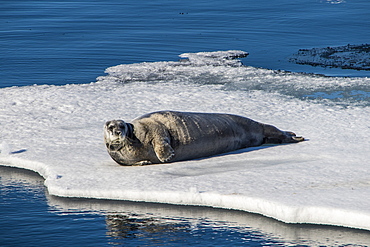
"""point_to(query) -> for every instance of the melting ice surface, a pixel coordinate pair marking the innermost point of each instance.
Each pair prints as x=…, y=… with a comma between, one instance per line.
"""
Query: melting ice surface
x=57, y=132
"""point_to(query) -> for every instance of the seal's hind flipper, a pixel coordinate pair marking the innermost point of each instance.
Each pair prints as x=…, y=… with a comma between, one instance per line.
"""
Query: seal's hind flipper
x=275, y=136
x=292, y=137
x=298, y=138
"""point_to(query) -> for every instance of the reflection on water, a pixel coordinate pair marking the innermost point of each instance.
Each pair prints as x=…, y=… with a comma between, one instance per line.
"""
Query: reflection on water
x=131, y=228
x=134, y=226
x=72, y=220
x=128, y=229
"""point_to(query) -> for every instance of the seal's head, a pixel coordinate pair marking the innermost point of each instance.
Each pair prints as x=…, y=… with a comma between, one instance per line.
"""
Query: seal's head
x=115, y=133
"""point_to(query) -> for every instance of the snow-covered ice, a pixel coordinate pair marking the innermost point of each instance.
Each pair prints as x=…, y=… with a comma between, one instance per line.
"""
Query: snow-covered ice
x=57, y=131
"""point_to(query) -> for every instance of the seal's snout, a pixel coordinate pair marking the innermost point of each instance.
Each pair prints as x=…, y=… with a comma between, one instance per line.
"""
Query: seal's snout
x=114, y=132
x=115, y=127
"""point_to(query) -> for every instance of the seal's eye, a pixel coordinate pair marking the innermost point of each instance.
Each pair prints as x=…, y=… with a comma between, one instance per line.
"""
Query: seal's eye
x=111, y=128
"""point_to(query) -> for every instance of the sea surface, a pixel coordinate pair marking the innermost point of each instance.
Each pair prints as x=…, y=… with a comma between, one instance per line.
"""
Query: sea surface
x=73, y=42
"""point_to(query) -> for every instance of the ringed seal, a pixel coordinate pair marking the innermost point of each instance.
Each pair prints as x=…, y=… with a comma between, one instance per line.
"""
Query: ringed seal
x=168, y=136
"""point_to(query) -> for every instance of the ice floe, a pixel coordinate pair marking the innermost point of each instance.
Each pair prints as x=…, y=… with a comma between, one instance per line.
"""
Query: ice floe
x=57, y=131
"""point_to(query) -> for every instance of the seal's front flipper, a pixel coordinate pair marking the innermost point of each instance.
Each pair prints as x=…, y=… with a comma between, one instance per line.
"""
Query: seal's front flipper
x=142, y=163
x=163, y=150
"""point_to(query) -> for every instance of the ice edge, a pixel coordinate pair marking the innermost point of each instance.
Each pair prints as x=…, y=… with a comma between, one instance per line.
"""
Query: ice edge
x=278, y=211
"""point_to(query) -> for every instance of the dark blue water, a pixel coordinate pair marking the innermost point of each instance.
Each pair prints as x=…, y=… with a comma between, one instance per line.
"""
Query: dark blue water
x=60, y=42
x=29, y=216
x=26, y=219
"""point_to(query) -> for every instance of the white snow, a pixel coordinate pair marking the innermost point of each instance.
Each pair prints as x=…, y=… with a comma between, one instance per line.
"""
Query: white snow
x=57, y=131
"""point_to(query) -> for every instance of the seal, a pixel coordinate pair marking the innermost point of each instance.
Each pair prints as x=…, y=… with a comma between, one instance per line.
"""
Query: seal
x=169, y=136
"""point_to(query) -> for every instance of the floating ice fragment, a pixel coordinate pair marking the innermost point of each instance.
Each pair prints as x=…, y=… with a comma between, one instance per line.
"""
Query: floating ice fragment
x=345, y=57
x=216, y=57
